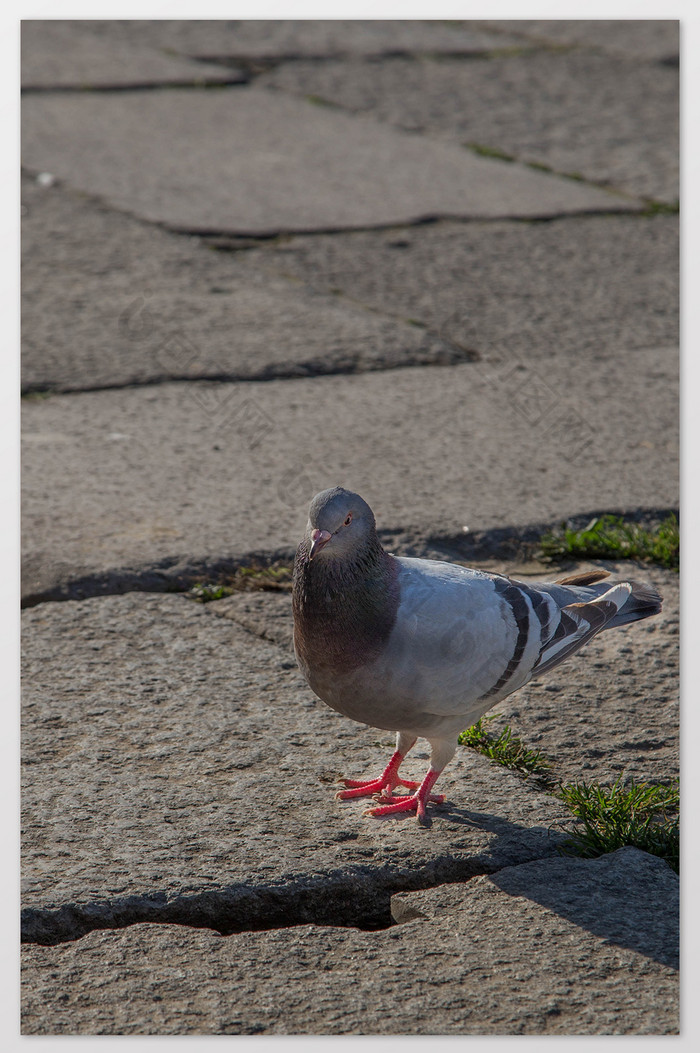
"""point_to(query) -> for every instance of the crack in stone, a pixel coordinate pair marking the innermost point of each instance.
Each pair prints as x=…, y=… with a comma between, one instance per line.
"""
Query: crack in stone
x=453, y=355
x=179, y=573
x=355, y=897
x=194, y=82
x=174, y=574
x=625, y=205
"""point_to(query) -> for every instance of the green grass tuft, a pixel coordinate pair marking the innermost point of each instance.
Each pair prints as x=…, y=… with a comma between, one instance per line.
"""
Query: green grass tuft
x=539, y=166
x=506, y=749
x=205, y=592
x=643, y=815
x=318, y=100
x=610, y=537
x=661, y=208
x=276, y=577
x=489, y=151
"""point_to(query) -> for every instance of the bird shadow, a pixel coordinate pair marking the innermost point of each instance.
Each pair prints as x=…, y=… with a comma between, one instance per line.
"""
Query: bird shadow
x=627, y=898
x=446, y=810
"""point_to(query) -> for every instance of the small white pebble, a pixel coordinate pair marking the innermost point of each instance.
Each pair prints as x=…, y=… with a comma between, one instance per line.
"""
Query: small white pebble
x=46, y=179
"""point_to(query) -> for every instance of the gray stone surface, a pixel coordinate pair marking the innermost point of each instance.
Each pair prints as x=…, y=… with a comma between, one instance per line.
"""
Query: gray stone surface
x=607, y=119
x=283, y=39
x=613, y=897
x=107, y=300
x=574, y=289
x=119, y=479
x=62, y=54
x=648, y=38
x=163, y=305
x=178, y=775
x=265, y=614
x=551, y=947
x=274, y=163
x=177, y=768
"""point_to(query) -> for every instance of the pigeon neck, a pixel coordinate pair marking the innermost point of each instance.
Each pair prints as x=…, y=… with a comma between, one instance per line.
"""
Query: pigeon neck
x=344, y=609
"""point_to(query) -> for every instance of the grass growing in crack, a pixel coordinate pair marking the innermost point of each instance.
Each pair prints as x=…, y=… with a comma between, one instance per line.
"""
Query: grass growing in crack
x=611, y=537
x=643, y=815
x=661, y=208
x=539, y=166
x=204, y=592
x=319, y=100
x=275, y=578
x=505, y=748
x=489, y=151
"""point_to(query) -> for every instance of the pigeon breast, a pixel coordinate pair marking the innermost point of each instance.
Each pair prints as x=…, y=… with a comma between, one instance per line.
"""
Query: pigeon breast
x=344, y=613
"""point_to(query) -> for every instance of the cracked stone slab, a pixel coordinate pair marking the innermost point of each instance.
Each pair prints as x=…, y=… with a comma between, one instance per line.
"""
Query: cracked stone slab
x=130, y=478
x=274, y=164
x=615, y=897
x=612, y=121
x=549, y=947
x=283, y=39
x=108, y=300
x=573, y=288
x=177, y=768
x=610, y=710
x=60, y=54
x=648, y=39
x=265, y=614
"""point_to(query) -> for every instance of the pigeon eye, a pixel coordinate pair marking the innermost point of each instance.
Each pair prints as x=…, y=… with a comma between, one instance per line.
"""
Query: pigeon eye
x=348, y=520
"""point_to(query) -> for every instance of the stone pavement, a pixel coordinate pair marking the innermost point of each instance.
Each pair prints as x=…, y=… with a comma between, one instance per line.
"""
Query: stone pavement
x=434, y=262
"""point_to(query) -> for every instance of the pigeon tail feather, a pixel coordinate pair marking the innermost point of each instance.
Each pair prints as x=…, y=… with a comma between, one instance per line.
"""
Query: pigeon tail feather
x=580, y=621
x=643, y=602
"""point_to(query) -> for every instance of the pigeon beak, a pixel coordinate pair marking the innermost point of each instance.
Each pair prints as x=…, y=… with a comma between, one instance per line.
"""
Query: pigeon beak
x=319, y=538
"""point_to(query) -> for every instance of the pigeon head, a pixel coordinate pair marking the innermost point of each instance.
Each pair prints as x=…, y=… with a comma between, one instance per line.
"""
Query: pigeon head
x=340, y=524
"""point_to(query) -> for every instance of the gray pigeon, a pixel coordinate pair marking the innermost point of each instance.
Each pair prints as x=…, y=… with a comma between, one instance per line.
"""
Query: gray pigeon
x=424, y=648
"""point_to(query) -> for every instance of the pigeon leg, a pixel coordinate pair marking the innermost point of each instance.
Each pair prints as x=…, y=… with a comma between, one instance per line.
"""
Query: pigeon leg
x=386, y=781
x=414, y=802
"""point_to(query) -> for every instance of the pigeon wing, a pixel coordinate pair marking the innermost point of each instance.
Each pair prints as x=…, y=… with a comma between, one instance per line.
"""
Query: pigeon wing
x=459, y=636
x=578, y=623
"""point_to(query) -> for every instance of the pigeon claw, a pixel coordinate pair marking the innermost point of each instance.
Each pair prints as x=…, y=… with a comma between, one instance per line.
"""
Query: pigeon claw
x=433, y=798
x=409, y=803
x=382, y=790
x=361, y=789
x=368, y=787
x=414, y=802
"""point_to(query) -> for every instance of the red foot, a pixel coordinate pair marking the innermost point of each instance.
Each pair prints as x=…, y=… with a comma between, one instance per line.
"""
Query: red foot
x=371, y=787
x=356, y=783
x=386, y=782
x=432, y=798
x=414, y=802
